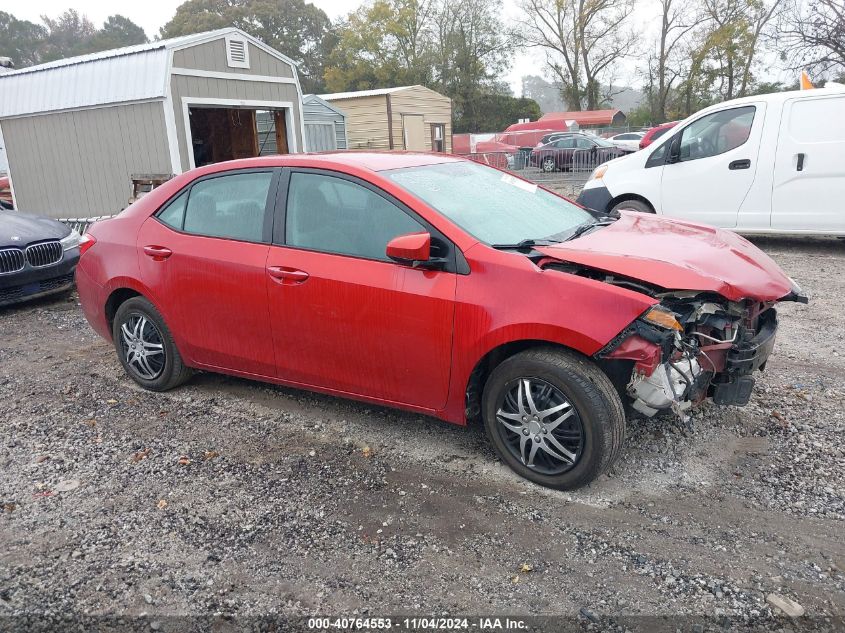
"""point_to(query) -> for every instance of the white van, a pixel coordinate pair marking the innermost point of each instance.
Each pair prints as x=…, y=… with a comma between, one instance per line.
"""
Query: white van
x=773, y=163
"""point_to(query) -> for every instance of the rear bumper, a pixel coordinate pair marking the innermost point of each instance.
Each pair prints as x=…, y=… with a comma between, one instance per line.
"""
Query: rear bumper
x=93, y=301
x=31, y=283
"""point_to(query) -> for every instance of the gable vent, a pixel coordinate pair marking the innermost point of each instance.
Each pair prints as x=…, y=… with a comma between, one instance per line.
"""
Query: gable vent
x=237, y=53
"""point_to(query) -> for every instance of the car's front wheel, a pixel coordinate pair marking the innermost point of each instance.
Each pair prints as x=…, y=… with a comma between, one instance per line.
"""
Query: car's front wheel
x=553, y=417
x=145, y=346
x=548, y=164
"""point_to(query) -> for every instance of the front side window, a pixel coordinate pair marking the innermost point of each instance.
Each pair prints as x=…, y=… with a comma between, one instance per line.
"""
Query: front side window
x=716, y=133
x=231, y=206
x=565, y=143
x=334, y=215
x=494, y=207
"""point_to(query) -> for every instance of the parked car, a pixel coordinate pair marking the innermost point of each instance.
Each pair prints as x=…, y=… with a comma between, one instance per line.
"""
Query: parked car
x=38, y=257
x=437, y=285
x=573, y=151
x=6, y=201
x=765, y=164
x=553, y=136
x=655, y=133
x=629, y=141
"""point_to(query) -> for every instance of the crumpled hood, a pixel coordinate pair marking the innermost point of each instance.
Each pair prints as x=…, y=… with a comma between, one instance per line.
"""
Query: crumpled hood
x=678, y=255
x=28, y=228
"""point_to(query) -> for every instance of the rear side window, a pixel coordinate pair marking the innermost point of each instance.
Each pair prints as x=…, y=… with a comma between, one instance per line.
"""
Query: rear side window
x=334, y=215
x=231, y=206
x=173, y=215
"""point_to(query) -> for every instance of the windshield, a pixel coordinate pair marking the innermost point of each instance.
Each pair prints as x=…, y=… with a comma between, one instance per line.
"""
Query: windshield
x=492, y=206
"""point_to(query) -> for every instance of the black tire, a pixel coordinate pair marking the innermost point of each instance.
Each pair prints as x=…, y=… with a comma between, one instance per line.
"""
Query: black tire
x=631, y=205
x=172, y=371
x=548, y=164
x=596, y=403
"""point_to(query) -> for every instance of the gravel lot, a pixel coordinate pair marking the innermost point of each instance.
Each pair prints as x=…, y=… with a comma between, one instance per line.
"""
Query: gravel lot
x=232, y=498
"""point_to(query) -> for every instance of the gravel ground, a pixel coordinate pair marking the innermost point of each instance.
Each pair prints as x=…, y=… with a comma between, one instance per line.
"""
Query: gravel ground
x=229, y=498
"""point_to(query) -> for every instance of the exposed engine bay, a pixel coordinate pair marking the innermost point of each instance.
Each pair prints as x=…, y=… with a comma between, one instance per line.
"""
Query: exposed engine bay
x=689, y=346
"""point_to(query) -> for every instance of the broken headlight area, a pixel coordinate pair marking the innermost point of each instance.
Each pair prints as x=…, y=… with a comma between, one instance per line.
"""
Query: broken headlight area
x=691, y=346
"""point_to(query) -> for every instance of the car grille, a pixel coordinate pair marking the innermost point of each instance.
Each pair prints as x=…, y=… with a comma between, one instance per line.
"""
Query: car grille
x=44, y=254
x=19, y=293
x=11, y=260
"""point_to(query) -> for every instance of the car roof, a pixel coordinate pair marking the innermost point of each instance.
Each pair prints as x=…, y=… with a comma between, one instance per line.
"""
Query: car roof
x=369, y=160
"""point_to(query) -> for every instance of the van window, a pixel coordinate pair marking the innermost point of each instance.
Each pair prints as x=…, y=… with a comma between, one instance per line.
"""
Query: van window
x=716, y=133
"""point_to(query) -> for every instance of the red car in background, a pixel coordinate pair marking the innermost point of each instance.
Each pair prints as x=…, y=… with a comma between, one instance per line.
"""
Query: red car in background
x=6, y=194
x=656, y=132
x=438, y=285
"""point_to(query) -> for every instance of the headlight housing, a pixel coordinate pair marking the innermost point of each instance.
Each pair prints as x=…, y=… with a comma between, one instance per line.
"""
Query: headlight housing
x=598, y=172
x=70, y=241
x=663, y=318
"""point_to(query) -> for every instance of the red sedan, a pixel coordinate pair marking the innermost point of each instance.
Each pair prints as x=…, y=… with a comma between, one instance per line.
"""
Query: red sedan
x=434, y=284
x=656, y=132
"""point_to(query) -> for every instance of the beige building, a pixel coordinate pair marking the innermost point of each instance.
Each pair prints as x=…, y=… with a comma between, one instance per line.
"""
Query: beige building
x=411, y=117
x=79, y=131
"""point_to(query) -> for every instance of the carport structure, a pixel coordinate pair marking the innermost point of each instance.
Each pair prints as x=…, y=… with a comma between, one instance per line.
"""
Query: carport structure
x=78, y=131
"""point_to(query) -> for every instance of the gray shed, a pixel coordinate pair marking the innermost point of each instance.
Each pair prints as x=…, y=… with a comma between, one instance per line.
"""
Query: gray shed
x=78, y=131
x=325, y=125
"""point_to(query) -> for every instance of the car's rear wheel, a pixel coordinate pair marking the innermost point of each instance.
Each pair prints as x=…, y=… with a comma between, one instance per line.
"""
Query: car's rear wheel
x=548, y=164
x=145, y=346
x=553, y=417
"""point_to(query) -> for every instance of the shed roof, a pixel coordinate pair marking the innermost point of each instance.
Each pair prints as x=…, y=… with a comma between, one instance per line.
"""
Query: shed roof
x=315, y=98
x=363, y=93
x=131, y=73
x=553, y=120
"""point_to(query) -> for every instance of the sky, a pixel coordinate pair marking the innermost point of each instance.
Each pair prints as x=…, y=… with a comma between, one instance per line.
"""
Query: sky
x=151, y=15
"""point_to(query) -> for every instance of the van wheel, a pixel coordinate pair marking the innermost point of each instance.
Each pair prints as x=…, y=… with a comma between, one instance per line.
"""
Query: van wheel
x=145, y=346
x=631, y=205
x=553, y=417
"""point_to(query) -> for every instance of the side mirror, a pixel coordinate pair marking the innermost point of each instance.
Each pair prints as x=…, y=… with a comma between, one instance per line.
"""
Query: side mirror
x=412, y=249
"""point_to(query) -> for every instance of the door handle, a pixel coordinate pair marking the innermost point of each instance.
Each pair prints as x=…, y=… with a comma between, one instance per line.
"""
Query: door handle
x=800, y=165
x=286, y=275
x=158, y=253
x=740, y=164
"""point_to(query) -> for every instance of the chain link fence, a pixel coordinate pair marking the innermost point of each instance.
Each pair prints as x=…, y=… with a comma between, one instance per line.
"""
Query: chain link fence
x=564, y=171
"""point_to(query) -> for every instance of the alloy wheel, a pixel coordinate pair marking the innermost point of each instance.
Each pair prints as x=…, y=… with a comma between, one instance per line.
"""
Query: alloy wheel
x=540, y=426
x=142, y=346
x=549, y=164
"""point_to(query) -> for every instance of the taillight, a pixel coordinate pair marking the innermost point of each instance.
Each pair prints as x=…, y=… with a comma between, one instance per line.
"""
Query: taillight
x=86, y=242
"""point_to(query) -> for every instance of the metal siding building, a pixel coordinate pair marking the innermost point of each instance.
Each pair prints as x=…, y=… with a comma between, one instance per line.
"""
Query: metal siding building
x=409, y=117
x=325, y=125
x=76, y=130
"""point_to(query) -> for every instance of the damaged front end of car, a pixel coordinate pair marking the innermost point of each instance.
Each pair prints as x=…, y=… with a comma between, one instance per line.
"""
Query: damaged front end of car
x=689, y=346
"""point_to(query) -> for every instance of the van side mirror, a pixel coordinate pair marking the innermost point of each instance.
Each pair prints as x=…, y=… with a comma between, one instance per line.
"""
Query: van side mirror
x=411, y=249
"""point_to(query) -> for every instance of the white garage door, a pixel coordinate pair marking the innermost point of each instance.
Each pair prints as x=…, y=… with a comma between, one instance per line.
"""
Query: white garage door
x=320, y=137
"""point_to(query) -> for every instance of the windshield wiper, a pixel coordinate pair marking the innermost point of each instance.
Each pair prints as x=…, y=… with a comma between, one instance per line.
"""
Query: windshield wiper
x=525, y=244
x=589, y=226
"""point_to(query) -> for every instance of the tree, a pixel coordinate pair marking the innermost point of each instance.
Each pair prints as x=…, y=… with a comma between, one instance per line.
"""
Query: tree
x=494, y=112
x=67, y=35
x=813, y=35
x=20, y=40
x=582, y=40
x=296, y=28
x=117, y=32
x=472, y=51
x=678, y=18
x=388, y=43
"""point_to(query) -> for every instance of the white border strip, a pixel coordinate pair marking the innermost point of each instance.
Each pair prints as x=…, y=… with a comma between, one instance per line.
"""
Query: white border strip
x=214, y=74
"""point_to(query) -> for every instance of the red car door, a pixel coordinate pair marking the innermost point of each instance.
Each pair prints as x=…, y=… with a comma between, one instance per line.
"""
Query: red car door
x=345, y=317
x=204, y=255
